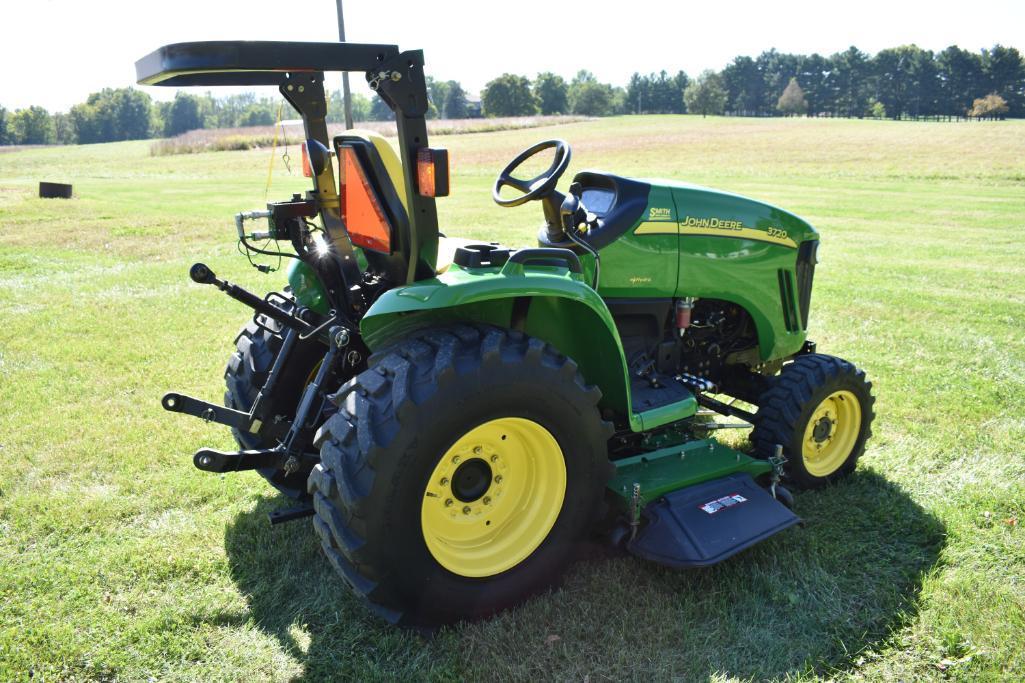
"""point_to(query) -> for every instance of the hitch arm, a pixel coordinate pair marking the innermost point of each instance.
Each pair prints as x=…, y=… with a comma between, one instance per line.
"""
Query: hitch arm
x=210, y=460
x=211, y=412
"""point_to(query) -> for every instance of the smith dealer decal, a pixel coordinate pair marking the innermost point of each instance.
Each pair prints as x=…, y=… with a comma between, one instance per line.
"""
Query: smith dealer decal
x=714, y=506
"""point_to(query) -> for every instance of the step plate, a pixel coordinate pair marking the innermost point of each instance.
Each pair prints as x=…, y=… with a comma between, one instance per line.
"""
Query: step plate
x=704, y=524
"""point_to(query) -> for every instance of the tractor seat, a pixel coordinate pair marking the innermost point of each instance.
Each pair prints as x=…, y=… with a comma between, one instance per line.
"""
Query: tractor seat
x=393, y=168
x=446, y=245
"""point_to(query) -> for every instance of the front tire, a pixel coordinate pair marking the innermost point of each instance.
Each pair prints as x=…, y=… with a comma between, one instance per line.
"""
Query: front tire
x=459, y=473
x=820, y=410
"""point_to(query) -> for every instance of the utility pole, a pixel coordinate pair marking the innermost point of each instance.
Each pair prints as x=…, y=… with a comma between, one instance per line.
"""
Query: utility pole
x=346, y=97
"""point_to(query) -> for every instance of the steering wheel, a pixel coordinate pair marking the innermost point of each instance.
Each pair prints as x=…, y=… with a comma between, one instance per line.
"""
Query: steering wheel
x=540, y=185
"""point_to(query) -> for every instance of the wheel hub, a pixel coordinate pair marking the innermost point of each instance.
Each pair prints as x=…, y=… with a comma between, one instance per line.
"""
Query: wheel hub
x=471, y=480
x=823, y=428
x=831, y=433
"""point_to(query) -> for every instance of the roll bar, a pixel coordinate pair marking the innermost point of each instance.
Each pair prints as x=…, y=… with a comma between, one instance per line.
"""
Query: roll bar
x=297, y=69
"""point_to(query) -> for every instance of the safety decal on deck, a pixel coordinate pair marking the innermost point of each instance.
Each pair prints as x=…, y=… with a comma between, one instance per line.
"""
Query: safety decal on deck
x=713, y=506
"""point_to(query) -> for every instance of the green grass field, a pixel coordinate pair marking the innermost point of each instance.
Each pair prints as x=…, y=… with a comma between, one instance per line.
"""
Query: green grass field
x=120, y=561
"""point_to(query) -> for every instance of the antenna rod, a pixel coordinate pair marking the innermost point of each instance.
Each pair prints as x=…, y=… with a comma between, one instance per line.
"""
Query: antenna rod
x=346, y=97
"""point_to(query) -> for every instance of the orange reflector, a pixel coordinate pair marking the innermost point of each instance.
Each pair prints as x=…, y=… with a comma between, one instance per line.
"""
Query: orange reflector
x=361, y=210
x=432, y=172
x=307, y=170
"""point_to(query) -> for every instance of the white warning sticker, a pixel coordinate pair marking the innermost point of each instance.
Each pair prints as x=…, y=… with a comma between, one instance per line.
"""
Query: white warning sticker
x=713, y=506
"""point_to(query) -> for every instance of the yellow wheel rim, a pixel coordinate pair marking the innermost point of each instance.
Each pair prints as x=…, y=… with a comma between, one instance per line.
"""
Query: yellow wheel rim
x=493, y=497
x=831, y=433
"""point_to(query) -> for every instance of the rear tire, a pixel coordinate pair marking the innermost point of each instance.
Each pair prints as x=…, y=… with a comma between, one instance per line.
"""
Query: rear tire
x=820, y=410
x=245, y=375
x=385, y=501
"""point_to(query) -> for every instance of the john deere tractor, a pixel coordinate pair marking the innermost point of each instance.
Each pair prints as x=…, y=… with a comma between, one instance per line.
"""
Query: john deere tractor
x=456, y=416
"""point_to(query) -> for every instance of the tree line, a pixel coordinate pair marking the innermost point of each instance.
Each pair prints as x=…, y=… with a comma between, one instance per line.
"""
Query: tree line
x=901, y=82
x=113, y=115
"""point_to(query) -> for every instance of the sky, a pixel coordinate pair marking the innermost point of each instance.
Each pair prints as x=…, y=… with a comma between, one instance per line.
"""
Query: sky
x=55, y=52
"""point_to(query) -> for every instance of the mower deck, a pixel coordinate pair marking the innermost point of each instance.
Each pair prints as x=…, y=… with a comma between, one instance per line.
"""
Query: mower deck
x=696, y=504
x=706, y=523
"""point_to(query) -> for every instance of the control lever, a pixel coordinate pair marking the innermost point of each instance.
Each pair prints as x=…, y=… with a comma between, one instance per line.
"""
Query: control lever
x=575, y=216
x=568, y=214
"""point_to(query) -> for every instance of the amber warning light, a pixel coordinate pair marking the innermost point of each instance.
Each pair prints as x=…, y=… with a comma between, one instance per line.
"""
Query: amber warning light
x=432, y=172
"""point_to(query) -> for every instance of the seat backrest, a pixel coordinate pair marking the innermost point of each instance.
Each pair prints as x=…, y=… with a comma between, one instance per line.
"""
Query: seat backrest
x=381, y=225
x=389, y=158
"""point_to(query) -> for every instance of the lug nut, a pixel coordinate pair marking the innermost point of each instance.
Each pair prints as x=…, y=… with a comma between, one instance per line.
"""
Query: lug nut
x=477, y=450
x=498, y=478
x=444, y=481
x=494, y=458
x=466, y=510
x=487, y=500
x=456, y=459
x=448, y=502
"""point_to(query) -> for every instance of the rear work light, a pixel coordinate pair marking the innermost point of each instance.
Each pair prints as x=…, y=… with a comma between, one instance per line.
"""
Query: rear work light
x=432, y=172
x=361, y=209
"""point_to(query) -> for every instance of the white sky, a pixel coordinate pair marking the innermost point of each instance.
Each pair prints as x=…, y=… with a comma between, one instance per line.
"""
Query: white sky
x=55, y=52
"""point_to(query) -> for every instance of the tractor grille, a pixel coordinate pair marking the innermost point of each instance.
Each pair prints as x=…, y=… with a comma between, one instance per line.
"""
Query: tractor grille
x=786, y=296
x=806, y=259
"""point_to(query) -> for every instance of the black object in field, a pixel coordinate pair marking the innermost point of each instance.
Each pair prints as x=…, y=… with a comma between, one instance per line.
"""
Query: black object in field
x=54, y=191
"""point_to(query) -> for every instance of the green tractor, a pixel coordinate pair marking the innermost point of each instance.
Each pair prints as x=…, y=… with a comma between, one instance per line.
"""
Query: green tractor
x=458, y=417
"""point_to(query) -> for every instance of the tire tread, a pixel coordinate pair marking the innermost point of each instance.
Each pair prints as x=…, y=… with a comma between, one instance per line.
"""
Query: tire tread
x=343, y=485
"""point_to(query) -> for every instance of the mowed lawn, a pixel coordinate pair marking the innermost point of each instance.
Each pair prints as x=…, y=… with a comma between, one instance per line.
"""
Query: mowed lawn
x=120, y=561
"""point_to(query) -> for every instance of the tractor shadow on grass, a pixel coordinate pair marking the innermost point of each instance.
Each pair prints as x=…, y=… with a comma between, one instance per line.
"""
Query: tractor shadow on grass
x=295, y=596
x=813, y=599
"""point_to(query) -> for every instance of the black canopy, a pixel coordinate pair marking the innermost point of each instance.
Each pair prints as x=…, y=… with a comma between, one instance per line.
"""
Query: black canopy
x=248, y=63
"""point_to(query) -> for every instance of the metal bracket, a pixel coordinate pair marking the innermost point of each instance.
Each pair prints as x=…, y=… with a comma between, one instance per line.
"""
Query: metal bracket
x=290, y=445
x=713, y=426
x=777, y=461
x=290, y=455
x=374, y=79
x=725, y=409
x=210, y=460
x=400, y=82
x=407, y=96
x=210, y=412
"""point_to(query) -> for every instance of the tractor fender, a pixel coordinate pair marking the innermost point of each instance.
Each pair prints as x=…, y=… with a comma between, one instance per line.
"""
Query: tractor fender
x=544, y=301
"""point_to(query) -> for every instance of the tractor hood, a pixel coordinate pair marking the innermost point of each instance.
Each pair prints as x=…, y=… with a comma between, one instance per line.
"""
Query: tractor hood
x=708, y=211
x=643, y=206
